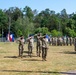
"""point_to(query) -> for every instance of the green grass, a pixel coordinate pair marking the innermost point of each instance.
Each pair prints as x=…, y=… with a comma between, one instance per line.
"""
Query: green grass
x=60, y=60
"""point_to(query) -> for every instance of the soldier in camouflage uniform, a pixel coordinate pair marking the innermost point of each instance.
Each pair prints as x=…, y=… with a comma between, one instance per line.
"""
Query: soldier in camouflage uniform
x=44, y=48
x=71, y=41
x=21, y=45
x=60, y=41
x=67, y=41
x=64, y=41
x=39, y=44
x=30, y=45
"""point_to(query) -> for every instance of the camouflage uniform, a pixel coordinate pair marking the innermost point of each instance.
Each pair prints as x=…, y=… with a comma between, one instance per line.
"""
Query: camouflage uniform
x=64, y=41
x=67, y=41
x=60, y=41
x=71, y=41
x=44, y=48
x=39, y=45
x=21, y=45
x=30, y=45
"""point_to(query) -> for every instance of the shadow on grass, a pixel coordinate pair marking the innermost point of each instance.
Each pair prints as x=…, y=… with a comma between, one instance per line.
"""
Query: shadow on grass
x=50, y=72
x=25, y=52
x=24, y=56
x=10, y=56
x=31, y=60
x=68, y=52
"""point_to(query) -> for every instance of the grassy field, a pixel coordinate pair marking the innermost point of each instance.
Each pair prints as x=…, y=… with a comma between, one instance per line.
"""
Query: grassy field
x=61, y=60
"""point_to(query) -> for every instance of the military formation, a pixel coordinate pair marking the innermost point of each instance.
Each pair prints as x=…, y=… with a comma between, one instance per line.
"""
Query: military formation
x=43, y=43
x=61, y=41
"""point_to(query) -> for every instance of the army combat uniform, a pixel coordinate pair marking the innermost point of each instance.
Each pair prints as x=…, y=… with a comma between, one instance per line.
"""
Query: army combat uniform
x=21, y=45
x=44, y=48
x=38, y=46
x=30, y=45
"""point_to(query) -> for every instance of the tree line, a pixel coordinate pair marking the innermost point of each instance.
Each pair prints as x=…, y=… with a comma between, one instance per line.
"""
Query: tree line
x=27, y=21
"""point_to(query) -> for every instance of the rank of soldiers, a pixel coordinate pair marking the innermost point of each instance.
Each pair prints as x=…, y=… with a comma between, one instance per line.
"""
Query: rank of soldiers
x=43, y=43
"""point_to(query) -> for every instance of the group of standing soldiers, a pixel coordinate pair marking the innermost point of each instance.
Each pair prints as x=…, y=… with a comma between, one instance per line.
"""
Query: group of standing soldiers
x=61, y=41
x=42, y=44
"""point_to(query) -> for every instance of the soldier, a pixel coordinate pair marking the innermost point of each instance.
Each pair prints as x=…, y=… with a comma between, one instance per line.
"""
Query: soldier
x=39, y=44
x=21, y=45
x=60, y=41
x=64, y=41
x=53, y=42
x=67, y=41
x=75, y=43
x=30, y=45
x=44, y=48
x=50, y=41
x=71, y=41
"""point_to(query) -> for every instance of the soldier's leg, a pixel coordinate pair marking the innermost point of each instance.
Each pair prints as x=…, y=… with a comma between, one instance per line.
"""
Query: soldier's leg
x=45, y=53
x=39, y=50
x=19, y=49
x=71, y=43
x=67, y=43
x=22, y=48
x=31, y=50
x=75, y=48
x=42, y=53
x=28, y=50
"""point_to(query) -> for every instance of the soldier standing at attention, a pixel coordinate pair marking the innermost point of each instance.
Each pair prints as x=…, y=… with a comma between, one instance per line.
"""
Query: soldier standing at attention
x=44, y=48
x=71, y=41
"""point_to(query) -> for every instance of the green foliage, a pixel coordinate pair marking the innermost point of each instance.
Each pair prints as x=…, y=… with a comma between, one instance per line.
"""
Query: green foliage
x=26, y=21
x=42, y=30
x=29, y=13
x=38, y=30
x=56, y=33
x=3, y=21
x=45, y=30
x=19, y=32
x=70, y=32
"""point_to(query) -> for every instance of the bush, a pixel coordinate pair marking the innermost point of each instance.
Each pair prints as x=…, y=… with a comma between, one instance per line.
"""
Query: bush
x=56, y=33
x=42, y=30
x=70, y=32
